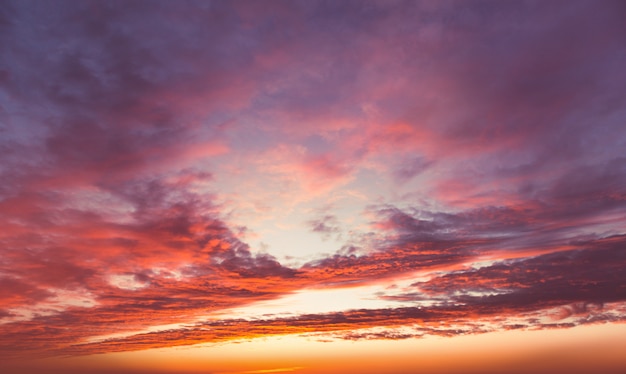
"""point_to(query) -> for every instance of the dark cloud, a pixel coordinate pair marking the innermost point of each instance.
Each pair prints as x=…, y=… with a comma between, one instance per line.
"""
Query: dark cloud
x=581, y=278
x=15, y=292
x=411, y=168
x=327, y=226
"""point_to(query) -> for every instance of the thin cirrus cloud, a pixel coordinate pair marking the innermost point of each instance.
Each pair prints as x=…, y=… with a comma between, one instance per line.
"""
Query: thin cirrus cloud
x=475, y=149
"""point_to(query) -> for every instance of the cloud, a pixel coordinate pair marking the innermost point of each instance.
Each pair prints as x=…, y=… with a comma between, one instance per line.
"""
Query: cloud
x=326, y=226
x=410, y=168
x=397, y=323
x=485, y=144
x=16, y=292
x=592, y=275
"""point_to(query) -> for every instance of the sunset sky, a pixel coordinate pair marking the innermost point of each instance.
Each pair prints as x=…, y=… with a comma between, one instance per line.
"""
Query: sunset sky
x=231, y=187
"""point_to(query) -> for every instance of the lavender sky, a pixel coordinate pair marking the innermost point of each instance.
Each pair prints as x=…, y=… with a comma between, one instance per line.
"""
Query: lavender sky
x=177, y=173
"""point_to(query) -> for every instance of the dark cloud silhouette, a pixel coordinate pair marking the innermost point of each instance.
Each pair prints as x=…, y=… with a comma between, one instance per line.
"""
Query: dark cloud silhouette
x=593, y=275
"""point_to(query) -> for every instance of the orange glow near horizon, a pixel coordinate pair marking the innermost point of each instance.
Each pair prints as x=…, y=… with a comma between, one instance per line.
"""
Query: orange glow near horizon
x=577, y=350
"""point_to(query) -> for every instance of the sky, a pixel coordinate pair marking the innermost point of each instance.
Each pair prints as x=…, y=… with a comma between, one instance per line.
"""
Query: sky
x=231, y=187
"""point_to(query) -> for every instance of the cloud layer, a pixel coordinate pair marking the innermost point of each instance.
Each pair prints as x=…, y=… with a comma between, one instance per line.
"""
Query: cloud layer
x=152, y=150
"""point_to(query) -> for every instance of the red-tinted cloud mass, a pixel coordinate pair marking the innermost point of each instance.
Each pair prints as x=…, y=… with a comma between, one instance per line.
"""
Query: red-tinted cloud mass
x=484, y=142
